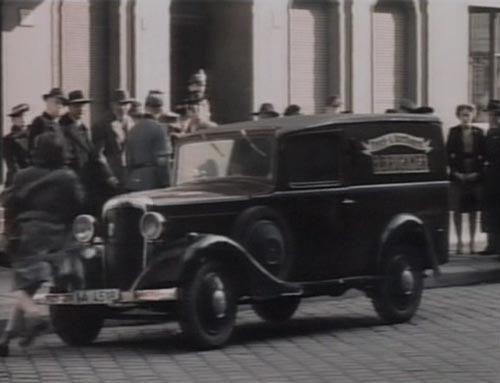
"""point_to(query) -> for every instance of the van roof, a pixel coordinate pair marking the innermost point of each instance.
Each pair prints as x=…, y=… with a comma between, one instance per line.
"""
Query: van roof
x=284, y=125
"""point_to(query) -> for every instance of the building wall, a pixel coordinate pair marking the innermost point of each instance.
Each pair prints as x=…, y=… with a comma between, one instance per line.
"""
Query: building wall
x=26, y=56
x=249, y=56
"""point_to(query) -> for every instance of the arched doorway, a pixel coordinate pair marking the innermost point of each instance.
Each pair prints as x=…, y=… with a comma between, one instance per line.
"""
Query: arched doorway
x=215, y=36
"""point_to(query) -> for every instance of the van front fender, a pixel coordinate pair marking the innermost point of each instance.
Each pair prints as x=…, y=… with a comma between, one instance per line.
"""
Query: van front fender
x=173, y=266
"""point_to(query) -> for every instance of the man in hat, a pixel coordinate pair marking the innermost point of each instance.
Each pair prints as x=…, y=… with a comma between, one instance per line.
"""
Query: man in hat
x=83, y=158
x=48, y=121
x=197, y=87
x=15, y=144
x=266, y=110
x=491, y=187
x=146, y=149
x=333, y=104
x=110, y=134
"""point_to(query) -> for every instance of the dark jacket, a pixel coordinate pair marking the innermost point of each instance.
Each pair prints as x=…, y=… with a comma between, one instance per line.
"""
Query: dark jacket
x=15, y=152
x=85, y=160
x=458, y=158
x=40, y=208
x=147, y=156
x=111, y=145
x=41, y=124
x=54, y=194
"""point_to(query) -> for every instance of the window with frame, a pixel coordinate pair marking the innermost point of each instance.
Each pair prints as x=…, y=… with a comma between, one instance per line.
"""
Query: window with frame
x=484, y=58
x=313, y=160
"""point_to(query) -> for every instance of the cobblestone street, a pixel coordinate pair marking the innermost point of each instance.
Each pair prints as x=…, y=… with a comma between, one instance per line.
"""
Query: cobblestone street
x=454, y=338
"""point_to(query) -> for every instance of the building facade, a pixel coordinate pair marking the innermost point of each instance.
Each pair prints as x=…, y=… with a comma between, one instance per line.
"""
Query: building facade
x=372, y=53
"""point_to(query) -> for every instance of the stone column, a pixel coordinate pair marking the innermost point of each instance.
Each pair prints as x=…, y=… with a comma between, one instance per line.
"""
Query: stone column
x=270, y=53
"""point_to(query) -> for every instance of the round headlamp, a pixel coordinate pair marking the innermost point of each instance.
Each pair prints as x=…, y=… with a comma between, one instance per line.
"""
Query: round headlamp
x=84, y=228
x=152, y=225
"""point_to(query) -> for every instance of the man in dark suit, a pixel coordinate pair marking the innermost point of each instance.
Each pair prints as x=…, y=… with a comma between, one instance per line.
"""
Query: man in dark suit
x=48, y=121
x=83, y=158
x=146, y=148
x=110, y=135
x=15, y=144
x=491, y=200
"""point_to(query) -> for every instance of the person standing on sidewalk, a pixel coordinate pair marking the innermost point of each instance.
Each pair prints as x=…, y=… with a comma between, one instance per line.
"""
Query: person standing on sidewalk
x=48, y=121
x=491, y=195
x=146, y=150
x=15, y=144
x=110, y=135
x=94, y=172
x=466, y=157
x=42, y=203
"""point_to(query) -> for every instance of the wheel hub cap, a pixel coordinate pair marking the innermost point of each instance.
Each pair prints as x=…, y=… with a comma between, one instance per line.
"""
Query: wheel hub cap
x=407, y=281
x=219, y=300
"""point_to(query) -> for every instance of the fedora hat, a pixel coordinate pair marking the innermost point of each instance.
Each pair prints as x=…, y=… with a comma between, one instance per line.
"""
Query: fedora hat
x=19, y=110
x=77, y=97
x=266, y=109
x=56, y=93
x=120, y=96
x=493, y=105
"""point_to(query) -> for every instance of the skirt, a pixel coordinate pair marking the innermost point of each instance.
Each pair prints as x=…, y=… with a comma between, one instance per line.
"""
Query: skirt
x=465, y=197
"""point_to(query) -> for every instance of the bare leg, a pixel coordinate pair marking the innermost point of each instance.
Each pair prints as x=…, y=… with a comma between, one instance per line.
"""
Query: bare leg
x=457, y=219
x=472, y=228
x=14, y=326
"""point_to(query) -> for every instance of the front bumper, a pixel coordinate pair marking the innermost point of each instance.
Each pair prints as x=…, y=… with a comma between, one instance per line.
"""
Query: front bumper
x=107, y=297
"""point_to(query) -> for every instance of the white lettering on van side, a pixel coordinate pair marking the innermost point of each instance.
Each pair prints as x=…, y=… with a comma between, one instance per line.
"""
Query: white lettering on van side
x=400, y=164
x=396, y=139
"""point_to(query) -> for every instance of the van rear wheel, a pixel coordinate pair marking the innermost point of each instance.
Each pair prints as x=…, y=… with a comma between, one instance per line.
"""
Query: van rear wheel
x=398, y=296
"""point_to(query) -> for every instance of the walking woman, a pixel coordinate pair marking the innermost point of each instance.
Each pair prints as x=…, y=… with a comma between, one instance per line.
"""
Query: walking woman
x=40, y=207
x=466, y=156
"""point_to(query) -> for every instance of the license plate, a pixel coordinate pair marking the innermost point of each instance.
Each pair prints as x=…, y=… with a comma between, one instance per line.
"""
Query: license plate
x=92, y=297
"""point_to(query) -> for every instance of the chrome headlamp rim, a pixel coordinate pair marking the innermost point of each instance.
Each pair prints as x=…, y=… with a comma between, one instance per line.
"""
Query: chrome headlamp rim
x=88, y=234
x=158, y=219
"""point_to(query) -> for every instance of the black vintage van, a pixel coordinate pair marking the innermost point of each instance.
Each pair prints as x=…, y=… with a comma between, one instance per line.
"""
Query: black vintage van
x=268, y=213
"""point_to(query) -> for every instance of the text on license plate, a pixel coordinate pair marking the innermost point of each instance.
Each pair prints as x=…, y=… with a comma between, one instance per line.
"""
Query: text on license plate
x=96, y=296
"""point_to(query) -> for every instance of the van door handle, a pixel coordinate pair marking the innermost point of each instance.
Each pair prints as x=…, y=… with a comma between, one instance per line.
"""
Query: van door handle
x=348, y=201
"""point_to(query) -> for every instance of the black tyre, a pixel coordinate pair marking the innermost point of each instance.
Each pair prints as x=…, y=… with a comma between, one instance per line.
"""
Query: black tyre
x=76, y=325
x=398, y=297
x=208, y=305
x=277, y=310
x=265, y=235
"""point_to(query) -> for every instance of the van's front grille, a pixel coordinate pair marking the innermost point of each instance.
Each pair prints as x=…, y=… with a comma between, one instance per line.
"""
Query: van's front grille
x=124, y=247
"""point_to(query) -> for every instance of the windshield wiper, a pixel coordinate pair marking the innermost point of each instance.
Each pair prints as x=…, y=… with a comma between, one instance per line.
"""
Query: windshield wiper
x=252, y=144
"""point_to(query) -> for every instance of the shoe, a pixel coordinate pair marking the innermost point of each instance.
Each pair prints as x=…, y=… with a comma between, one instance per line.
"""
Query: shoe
x=4, y=350
x=486, y=251
x=37, y=328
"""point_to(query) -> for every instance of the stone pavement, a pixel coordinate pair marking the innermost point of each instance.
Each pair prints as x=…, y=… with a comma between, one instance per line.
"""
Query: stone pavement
x=455, y=337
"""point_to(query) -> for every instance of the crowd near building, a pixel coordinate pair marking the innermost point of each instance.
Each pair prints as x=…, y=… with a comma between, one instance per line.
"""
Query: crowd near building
x=371, y=53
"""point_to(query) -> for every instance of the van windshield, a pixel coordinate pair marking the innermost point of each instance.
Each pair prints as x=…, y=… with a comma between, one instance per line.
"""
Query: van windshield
x=243, y=156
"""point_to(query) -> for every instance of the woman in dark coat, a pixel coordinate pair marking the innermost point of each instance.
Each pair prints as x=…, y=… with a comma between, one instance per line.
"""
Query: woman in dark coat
x=466, y=157
x=40, y=208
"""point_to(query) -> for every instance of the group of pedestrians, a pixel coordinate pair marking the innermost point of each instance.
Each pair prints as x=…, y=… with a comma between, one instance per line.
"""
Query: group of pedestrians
x=58, y=168
x=474, y=160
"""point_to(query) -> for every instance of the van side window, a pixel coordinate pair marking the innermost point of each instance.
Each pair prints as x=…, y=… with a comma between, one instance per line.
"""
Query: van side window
x=312, y=160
